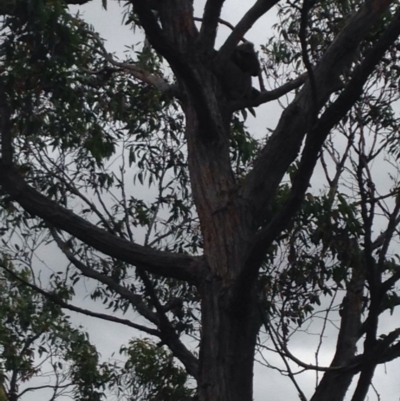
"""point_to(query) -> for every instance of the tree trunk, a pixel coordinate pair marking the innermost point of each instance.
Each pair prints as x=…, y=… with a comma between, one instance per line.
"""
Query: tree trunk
x=227, y=345
x=230, y=318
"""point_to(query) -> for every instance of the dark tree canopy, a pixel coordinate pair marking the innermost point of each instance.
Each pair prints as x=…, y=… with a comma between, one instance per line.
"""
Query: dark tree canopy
x=245, y=236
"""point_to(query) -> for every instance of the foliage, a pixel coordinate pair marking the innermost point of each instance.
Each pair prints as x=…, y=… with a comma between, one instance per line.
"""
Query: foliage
x=151, y=373
x=37, y=340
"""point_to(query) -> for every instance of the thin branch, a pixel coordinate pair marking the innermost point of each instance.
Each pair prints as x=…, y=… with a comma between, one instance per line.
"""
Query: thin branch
x=268, y=327
x=69, y=184
x=340, y=167
x=374, y=278
x=134, y=299
x=391, y=281
x=55, y=387
x=284, y=352
x=5, y=127
x=124, y=198
x=220, y=21
x=58, y=301
x=139, y=73
x=168, y=333
x=388, y=234
x=325, y=320
x=269, y=96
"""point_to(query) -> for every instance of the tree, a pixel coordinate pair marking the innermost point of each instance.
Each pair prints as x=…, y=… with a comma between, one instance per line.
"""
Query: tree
x=235, y=239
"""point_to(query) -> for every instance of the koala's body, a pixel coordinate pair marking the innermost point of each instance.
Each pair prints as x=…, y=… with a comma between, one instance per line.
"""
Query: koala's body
x=236, y=75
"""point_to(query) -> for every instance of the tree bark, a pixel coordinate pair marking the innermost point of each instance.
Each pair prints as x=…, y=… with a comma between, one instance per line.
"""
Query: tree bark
x=227, y=345
x=230, y=321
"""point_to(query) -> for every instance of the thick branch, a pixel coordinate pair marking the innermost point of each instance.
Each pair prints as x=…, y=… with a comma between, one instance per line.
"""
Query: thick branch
x=248, y=20
x=304, y=51
x=166, y=264
x=208, y=31
x=179, y=54
x=158, y=39
x=390, y=354
x=284, y=145
x=46, y=386
x=364, y=382
x=334, y=384
x=315, y=139
x=385, y=350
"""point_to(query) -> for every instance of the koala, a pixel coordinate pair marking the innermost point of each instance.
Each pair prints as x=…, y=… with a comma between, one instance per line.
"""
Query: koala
x=236, y=75
x=246, y=59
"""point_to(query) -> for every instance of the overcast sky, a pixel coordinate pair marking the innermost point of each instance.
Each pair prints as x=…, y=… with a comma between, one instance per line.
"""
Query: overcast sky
x=269, y=384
